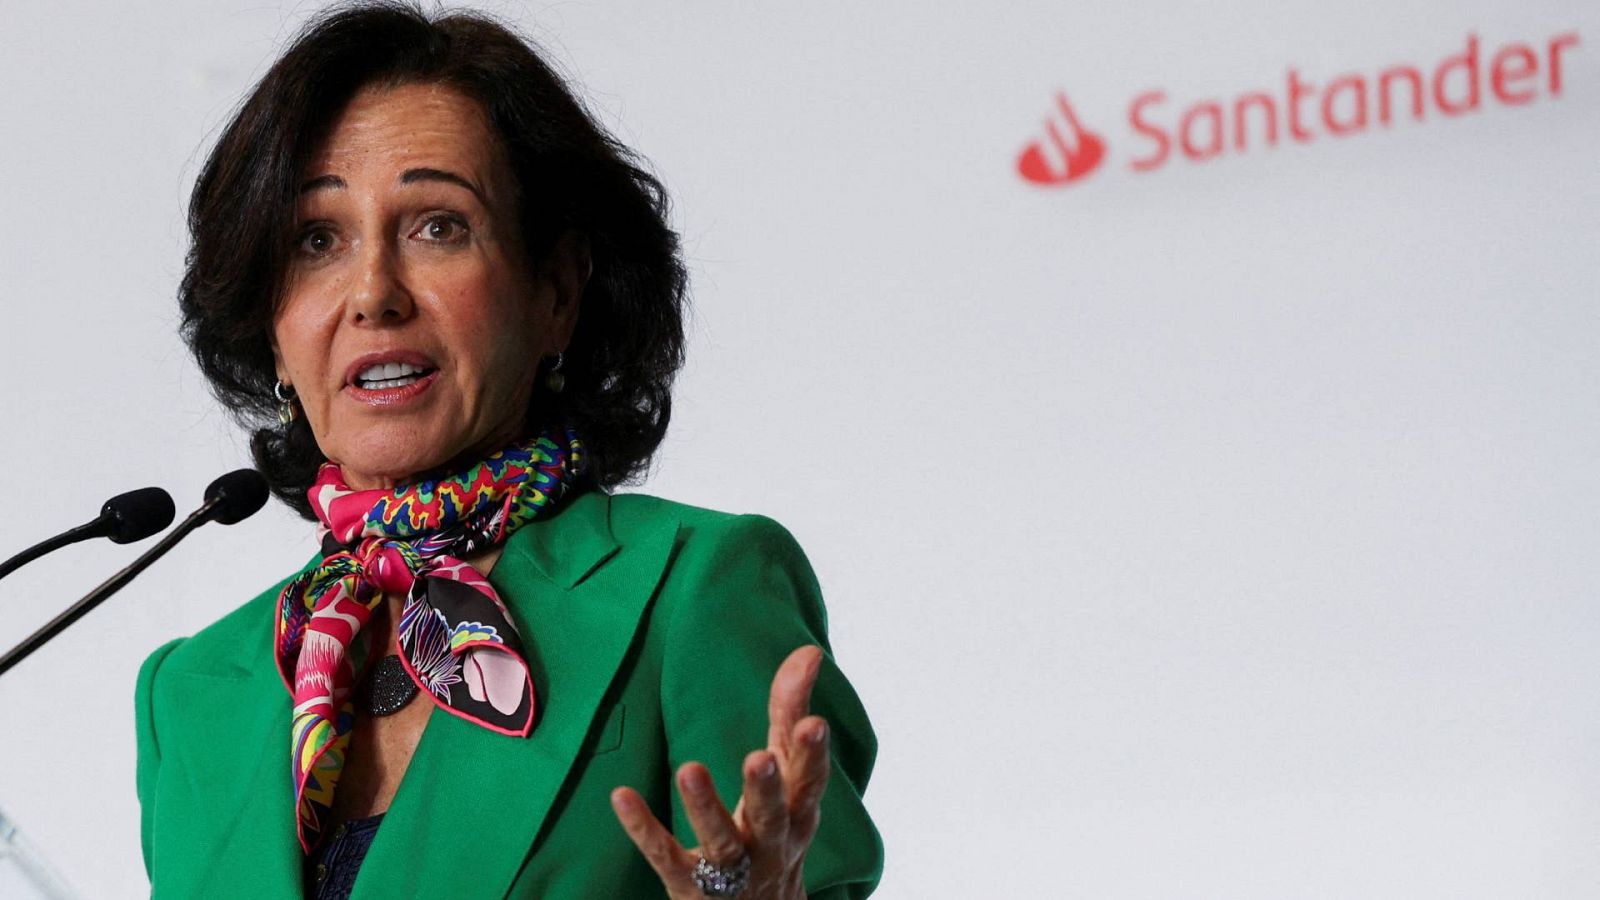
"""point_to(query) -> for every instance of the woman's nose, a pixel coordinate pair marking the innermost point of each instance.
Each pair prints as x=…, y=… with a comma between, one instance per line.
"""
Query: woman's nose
x=379, y=294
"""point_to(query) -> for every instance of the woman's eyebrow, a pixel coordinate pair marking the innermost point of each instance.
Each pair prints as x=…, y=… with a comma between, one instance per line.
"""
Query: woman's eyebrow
x=411, y=176
x=322, y=182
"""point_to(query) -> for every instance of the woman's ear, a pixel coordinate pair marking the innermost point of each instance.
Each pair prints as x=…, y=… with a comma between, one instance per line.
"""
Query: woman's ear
x=569, y=267
x=277, y=361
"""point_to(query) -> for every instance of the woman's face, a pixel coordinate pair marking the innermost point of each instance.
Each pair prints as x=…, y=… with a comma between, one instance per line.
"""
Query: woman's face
x=412, y=325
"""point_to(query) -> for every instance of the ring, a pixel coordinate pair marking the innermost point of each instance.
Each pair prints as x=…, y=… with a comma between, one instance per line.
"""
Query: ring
x=721, y=881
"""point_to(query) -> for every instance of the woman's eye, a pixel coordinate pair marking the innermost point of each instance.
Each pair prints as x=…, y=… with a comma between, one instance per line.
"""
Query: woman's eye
x=444, y=229
x=315, y=241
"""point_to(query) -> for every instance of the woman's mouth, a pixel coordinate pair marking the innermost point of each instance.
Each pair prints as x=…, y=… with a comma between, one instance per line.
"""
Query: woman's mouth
x=383, y=376
x=388, y=383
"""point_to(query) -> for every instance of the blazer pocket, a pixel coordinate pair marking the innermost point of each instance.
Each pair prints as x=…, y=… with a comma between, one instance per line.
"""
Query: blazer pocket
x=609, y=735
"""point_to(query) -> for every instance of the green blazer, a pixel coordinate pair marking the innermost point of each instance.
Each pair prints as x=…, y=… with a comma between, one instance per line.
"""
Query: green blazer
x=653, y=630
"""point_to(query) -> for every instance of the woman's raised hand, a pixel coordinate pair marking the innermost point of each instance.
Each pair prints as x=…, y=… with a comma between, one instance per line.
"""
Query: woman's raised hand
x=777, y=814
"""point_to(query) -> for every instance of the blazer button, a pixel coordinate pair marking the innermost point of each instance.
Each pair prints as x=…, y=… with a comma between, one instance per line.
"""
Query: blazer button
x=340, y=832
x=322, y=872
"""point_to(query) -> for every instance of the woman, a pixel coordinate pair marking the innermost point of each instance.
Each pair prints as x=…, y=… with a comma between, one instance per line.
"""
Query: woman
x=459, y=304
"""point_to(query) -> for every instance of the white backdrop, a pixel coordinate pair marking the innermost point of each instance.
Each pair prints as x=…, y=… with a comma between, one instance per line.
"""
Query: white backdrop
x=1222, y=530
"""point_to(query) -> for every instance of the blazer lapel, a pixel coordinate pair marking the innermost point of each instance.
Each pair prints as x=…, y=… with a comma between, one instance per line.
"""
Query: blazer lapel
x=235, y=765
x=472, y=802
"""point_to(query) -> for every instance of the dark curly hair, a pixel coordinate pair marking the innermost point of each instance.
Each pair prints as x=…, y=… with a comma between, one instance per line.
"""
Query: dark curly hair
x=628, y=343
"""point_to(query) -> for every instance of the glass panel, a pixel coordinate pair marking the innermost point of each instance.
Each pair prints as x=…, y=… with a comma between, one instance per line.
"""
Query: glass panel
x=23, y=875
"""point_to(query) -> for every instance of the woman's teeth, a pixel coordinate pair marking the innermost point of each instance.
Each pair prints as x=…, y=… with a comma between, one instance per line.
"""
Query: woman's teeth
x=386, y=383
x=384, y=376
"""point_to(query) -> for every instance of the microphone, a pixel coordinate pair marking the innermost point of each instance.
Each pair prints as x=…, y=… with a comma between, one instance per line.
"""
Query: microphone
x=234, y=497
x=230, y=499
x=124, y=519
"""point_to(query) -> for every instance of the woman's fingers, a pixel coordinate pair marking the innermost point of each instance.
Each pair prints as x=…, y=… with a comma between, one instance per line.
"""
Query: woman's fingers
x=720, y=841
x=780, y=805
x=671, y=862
x=809, y=778
x=790, y=699
x=764, y=806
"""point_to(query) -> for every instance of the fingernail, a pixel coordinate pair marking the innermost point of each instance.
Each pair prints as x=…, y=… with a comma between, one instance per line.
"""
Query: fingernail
x=695, y=780
x=770, y=769
x=625, y=802
x=818, y=736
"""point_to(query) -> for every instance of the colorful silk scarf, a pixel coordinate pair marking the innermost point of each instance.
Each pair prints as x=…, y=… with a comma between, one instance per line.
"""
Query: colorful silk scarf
x=457, y=641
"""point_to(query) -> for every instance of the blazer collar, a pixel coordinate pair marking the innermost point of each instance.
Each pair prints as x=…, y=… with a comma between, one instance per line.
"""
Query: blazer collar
x=570, y=545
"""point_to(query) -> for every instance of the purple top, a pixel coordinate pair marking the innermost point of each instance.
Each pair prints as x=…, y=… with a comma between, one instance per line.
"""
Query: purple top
x=331, y=868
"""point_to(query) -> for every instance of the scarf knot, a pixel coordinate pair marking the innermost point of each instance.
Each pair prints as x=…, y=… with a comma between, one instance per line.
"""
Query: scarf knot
x=383, y=566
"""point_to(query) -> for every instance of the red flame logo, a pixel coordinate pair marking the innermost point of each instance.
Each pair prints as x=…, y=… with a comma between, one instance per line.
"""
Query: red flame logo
x=1064, y=159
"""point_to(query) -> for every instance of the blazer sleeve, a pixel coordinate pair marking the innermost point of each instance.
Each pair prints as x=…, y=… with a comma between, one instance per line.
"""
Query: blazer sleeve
x=744, y=597
x=148, y=749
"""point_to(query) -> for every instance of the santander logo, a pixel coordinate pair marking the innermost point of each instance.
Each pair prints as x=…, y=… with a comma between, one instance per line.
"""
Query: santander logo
x=1067, y=157
x=1301, y=111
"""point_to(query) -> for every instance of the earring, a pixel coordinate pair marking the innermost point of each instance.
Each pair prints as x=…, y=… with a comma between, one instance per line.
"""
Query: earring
x=553, y=379
x=287, y=411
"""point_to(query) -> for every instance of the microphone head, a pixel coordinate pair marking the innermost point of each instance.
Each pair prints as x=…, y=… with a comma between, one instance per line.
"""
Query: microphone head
x=236, y=496
x=137, y=515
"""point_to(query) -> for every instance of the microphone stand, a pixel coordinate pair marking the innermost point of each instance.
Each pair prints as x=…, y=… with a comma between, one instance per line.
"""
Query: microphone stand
x=115, y=583
x=81, y=533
